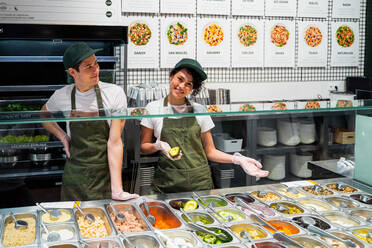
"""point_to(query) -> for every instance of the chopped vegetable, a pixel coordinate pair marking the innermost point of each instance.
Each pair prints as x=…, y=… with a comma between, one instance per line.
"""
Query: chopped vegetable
x=190, y=205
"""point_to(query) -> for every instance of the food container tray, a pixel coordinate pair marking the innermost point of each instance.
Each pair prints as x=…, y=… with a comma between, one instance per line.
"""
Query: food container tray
x=345, y=235
x=310, y=241
x=289, y=227
x=218, y=200
x=68, y=233
x=177, y=203
x=31, y=218
x=236, y=228
x=294, y=208
x=321, y=222
x=134, y=218
x=65, y=213
x=244, y=196
x=231, y=237
x=361, y=213
x=338, y=201
x=348, y=189
x=104, y=242
x=336, y=218
x=147, y=239
x=199, y=215
x=270, y=196
x=317, y=205
x=282, y=191
x=62, y=245
x=96, y=211
x=188, y=236
x=165, y=218
x=236, y=214
x=362, y=230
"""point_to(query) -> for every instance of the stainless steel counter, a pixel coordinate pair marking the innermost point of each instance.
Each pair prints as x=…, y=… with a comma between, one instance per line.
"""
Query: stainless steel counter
x=162, y=204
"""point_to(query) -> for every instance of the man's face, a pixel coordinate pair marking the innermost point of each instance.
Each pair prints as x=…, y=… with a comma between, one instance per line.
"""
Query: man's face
x=88, y=74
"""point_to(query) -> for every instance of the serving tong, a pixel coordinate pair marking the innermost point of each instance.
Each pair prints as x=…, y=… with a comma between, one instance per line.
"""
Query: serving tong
x=87, y=244
x=51, y=236
x=310, y=222
x=246, y=235
x=228, y=218
x=118, y=216
x=292, y=190
x=130, y=242
x=240, y=202
x=340, y=186
x=280, y=236
x=53, y=213
x=261, y=194
x=201, y=228
x=281, y=208
x=19, y=224
x=149, y=217
x=89, y=217
x=364, y=198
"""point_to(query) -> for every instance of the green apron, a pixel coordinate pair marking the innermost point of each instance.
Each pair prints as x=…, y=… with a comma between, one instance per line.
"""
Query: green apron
x=86, y=174
x=191, y=172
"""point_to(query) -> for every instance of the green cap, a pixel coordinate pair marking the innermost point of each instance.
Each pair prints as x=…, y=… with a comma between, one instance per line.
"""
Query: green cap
x=76, y=53
x=192, y=64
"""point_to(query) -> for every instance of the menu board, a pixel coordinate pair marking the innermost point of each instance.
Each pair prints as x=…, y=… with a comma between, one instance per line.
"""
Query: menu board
x=345, y=44
x=248, y=8
x=213, y=39
x=141, y=6
x=84, y=12
x=177, y=40
x=312, y=44
x=313, y=8
x=279, y=43
x=280, y=7
x=213, y=7
x=177, y=6
x=247, y=43
x=143, y=40
x=346, y=9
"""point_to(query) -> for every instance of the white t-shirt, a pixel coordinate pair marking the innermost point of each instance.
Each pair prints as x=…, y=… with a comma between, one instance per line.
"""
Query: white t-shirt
x=156, y=107
x=113, y=99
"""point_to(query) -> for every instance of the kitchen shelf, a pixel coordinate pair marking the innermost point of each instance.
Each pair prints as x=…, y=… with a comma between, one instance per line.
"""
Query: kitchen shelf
x=341, y=146
x=280, y=149
x=28, y=88
x=35, y=172
x=31, y=145
x=100, y=59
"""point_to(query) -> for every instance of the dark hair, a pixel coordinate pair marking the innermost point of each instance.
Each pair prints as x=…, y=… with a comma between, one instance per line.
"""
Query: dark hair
x=196, y=79
x=77, y=65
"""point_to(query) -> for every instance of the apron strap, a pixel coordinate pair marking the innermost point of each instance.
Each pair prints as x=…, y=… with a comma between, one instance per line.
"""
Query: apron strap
x=98, y=96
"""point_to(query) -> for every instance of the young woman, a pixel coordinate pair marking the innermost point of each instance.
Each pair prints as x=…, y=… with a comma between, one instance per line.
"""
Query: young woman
x=189, y=171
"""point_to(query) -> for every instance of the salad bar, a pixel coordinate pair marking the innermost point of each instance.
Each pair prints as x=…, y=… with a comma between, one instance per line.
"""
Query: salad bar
x=254, y=216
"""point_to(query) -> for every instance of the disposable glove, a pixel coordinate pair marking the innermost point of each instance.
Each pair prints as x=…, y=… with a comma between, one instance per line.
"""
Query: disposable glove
x=250, y=166
x=164, y=147
x=123, y=196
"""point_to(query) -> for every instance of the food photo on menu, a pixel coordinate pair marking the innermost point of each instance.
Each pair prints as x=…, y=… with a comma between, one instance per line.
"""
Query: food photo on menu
x=247, y=35
x=313, y=36
x=139, y=34
x=213, y=35
x=177, y=34
x=345, y=36
x=279, y=35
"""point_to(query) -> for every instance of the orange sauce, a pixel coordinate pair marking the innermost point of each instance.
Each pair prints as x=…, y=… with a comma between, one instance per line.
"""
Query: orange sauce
x=162, y=219
x=282, y=226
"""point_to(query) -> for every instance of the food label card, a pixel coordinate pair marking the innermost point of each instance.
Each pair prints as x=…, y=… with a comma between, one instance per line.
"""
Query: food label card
x=213, y=42
x=143, y=40
x=247, y=43
x=313, y=8
x=280, y=7
x=248, y=8
x=346, y=9
x=312, y=44
x=345, y=44
x=279, y=43
x=213, y=7
x=177, y=6
x=143, y=6
x=177, y=40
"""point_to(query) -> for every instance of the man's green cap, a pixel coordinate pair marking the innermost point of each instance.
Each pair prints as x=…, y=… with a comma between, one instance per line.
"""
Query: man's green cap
x=76, y=53
x=192, y=64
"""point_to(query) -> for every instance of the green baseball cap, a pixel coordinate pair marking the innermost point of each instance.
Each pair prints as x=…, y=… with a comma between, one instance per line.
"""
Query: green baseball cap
x=76, y=53
x=192, y=64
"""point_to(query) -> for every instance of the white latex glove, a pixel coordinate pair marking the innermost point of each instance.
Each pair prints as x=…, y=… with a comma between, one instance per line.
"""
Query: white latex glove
x=164, y=147
x=123, y=196
x=66, y=144
x=249, y=165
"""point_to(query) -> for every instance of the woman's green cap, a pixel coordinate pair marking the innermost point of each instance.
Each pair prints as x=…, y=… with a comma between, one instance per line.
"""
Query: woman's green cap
x=192, y=64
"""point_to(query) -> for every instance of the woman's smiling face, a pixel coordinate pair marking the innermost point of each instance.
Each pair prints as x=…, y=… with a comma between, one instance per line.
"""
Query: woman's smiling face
x=181, y=84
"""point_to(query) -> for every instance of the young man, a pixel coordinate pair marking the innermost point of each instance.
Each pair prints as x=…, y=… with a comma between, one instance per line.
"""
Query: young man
x=94, y=149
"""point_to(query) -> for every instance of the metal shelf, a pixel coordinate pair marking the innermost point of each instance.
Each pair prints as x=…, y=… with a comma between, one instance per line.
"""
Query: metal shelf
x=28, y=88
x=30, y=173
x=280, y=149
x=104, y=59
x=341, y=146
x=30, y=145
